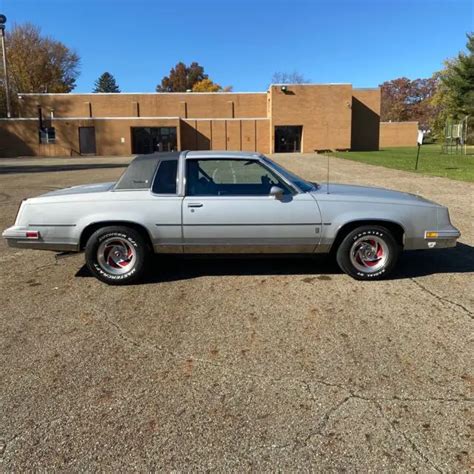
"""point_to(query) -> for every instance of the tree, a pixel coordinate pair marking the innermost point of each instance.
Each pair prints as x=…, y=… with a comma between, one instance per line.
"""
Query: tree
x=37, y=63
x=406, y=100
x=206, y=85
x=106, y=83
x=289, y=78
x=457, y=82
x=182, y=78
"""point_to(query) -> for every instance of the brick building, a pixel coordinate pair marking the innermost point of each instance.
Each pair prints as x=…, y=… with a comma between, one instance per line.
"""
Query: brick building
x=286, y=118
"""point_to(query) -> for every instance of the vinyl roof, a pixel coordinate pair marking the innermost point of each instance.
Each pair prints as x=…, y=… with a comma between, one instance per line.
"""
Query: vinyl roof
x=140, y=172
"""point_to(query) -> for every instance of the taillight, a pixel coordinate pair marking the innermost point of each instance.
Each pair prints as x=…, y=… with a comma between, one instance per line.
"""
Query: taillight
x=32, y=234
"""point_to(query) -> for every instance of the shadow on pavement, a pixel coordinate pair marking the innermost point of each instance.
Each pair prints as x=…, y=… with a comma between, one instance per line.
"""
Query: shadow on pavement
x=416, y=263
x=412, y=264
x=13, y=169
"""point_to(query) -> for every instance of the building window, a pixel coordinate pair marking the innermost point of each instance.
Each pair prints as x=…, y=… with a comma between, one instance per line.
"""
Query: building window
x=47, y=135
x=152, y=139
x=288, y=138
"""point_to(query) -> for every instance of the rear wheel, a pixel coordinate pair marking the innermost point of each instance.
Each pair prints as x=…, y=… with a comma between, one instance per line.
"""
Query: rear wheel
x=368, y=253
x=117, y=255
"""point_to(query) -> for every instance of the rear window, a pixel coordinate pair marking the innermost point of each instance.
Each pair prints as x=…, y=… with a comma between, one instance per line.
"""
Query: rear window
x=165, y=178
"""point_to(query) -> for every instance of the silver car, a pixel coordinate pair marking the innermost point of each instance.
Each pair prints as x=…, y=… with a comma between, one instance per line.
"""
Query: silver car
x=227, y=202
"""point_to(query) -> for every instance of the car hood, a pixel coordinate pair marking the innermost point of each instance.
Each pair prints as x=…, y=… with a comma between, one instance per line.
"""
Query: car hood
x=335, y=191
x=83, y=189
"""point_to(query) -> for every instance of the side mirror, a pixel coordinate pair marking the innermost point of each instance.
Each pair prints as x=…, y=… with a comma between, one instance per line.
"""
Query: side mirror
x=276, y=191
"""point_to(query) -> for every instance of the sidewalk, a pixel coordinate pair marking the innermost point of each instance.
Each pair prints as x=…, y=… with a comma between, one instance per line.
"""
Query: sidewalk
x=36, y=164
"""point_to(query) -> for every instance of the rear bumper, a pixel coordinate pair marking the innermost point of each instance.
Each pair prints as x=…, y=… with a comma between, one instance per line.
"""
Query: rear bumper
x=16, y=237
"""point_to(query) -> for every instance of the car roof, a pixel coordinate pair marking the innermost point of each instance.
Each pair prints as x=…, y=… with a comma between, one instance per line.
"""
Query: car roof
x=141, y=170
x=224, y=154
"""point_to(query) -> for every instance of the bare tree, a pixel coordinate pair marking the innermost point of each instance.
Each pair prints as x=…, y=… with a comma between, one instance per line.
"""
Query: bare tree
x=289, y=78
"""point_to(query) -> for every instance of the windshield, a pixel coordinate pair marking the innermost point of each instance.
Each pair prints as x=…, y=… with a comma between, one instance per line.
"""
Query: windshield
x=302, y=184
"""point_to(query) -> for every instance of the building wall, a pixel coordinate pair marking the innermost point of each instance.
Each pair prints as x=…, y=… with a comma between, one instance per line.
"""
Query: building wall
x=393, y=134
x=20, y=137
x=324, y=111
x=365, y=130
x=186, y=105
x=231, y=134
x=333, y=116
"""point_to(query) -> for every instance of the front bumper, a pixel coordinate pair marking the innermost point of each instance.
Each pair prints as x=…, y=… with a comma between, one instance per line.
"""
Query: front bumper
x=442, y=239
x=433, y=239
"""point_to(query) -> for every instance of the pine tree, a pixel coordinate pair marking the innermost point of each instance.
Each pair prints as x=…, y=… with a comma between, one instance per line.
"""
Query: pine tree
x=106, y=83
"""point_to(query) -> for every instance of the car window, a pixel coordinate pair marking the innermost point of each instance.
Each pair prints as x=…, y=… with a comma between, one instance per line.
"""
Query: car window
x=165, y=178
x=304, y=185
x=230, y=177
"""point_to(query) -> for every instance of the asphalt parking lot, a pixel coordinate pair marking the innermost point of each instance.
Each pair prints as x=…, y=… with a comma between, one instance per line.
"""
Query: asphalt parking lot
x=237, y=364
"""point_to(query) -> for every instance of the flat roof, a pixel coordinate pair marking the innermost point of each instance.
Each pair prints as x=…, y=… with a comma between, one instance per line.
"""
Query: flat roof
x=306, y=84
x=133, y=93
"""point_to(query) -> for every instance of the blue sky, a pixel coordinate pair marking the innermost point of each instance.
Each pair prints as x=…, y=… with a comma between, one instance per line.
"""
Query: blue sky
x=243, y=42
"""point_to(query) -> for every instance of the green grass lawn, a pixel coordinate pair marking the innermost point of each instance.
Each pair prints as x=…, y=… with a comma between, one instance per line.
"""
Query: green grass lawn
x=432, y=161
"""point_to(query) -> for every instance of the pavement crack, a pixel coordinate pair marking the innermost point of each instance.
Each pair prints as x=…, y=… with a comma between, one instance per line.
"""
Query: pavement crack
x=352, y=393
x=443, y=299
x=328, y=414
x=319, y=430
x=408, y=440
x=4, y=444
x=414, y=400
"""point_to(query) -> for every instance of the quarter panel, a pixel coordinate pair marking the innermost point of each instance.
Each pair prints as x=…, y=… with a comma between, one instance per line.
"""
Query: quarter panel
x=65, y=220
x=413, y=219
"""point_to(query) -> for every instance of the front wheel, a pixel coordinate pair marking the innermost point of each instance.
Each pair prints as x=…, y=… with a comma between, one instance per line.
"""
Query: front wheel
x=368, y=253
x=117, y=255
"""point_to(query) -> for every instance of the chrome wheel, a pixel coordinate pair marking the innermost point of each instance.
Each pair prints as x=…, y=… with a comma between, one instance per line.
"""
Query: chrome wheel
x=116, y=255
x=369, y=253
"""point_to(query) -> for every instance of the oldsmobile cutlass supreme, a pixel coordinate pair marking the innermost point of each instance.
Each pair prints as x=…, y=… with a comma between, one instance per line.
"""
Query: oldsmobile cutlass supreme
x=227, y=202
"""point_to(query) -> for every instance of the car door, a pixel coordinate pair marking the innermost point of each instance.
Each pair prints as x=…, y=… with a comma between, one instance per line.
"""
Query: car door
x=228, y=208
x=163, y=209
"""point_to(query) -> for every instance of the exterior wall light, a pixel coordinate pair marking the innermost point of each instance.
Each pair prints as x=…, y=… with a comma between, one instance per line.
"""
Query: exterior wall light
x=284, y=89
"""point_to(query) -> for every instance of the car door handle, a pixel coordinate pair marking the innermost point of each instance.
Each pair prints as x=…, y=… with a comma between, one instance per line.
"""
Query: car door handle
x=195, y=204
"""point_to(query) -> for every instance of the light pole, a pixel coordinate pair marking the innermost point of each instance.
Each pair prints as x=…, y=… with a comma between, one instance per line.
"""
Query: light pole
x=3, y=20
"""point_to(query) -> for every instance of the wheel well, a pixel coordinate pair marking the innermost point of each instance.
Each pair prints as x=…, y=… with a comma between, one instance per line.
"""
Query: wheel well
x=91, y=228
x=396, y=229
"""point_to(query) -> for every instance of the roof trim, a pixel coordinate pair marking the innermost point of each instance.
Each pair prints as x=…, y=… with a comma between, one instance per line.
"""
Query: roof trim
x=405, y=121
x=135, y=118
x=132, y=93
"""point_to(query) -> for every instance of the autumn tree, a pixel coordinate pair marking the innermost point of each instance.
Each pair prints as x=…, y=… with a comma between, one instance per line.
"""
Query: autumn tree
x=406, y=100
x=182, y=78
x=37, y=63
x=106, y=83
x=206, y=85
x=289, y=78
